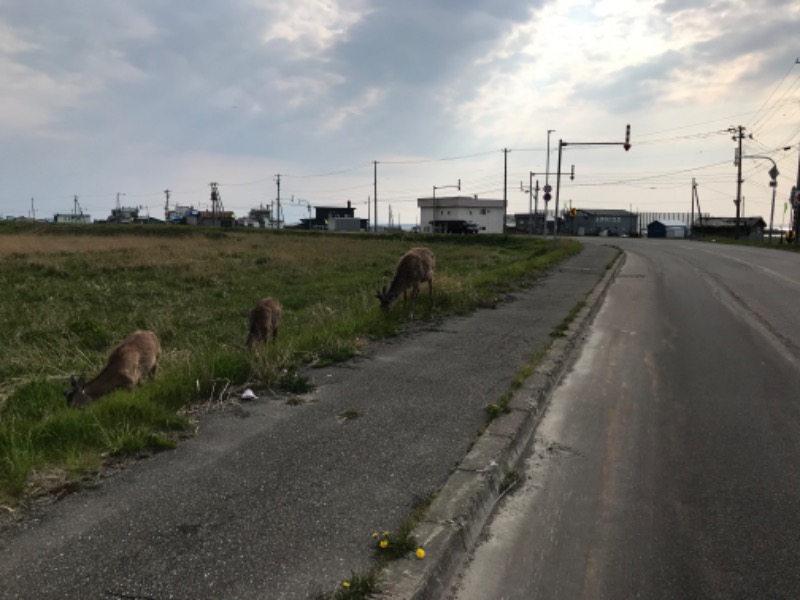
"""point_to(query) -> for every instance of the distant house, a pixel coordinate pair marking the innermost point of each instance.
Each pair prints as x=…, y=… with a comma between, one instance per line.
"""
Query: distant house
x=335, y=218
x=750, y=228
x=124, y=214
x=148, y=220
x=207, y=218
x=72, y=218
x=177, y=215
x=486, y=213
x=258, y=217
x=667, y=229
x=601, y=222
x=532, y=222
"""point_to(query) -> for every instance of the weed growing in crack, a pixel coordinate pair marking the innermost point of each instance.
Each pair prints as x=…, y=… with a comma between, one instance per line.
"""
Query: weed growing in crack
x=391, y=546
x=357, y=587
x=511, y=479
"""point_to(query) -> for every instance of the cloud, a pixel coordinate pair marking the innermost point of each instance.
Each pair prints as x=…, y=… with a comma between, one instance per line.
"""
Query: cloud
x=309, y=28
x=101, y=96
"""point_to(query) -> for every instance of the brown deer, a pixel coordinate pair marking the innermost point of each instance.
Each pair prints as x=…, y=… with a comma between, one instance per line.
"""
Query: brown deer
x=415, y=267
x=133, y=359
x=265, y=320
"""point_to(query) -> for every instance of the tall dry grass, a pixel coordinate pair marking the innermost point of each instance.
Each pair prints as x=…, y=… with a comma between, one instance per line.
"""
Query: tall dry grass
x=69, y=295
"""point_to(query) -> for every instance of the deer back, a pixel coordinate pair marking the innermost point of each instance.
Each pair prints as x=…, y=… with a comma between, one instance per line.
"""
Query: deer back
x=130, y=361
x=264, y=322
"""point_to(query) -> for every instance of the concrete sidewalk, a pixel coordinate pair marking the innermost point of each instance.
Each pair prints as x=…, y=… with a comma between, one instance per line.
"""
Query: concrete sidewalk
x=278, y=501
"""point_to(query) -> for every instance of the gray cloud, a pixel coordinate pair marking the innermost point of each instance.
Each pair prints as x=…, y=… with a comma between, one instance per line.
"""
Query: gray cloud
x=742, y=29
x=131, y=89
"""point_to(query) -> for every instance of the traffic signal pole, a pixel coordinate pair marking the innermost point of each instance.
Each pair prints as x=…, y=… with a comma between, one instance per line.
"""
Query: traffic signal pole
x=561, y=145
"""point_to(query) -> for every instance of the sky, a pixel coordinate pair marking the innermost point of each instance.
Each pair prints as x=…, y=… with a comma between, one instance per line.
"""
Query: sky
x=122, y=100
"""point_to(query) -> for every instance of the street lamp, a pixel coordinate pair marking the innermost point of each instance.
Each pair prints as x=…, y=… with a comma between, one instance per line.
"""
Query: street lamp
x=441, y=187
x=547, y=168
x=773, y=174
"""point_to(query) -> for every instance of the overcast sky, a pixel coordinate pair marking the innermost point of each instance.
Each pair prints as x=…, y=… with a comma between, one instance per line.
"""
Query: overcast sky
x=107, y=97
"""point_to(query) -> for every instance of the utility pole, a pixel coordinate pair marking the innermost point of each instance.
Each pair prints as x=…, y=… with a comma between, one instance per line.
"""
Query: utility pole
x=530, y=190
x=691, y=219
x=738, y=135
x=216, y=203
x=278, y=181
x=33, y=210
x=547, y=168
x=505, y=186
x=375, y=193
x=547, y=195
x=166, y=205
x=773, y=183
x=696, y=199
x=547, y=187
x=369, y=212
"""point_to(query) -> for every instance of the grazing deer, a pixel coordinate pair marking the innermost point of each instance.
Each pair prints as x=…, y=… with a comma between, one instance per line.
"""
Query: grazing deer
x=133, y=359
x=265, y=320
x=415, y=267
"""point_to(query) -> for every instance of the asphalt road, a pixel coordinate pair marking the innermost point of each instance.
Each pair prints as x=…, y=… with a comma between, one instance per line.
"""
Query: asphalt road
x=668, y=463
x=277, y=501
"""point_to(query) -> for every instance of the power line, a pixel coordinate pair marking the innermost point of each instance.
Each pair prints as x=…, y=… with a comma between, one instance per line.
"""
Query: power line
x=752, y=124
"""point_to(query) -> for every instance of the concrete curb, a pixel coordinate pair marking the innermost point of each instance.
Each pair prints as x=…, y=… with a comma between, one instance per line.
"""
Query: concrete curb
x=455, y=519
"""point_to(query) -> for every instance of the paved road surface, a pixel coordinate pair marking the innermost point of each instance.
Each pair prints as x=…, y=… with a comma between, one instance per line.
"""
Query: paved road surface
x=668, y=464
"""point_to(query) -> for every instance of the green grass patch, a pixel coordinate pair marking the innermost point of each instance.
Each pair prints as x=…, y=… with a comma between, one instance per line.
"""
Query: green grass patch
x=561, y=329
x=71, y=292
x=358, y=586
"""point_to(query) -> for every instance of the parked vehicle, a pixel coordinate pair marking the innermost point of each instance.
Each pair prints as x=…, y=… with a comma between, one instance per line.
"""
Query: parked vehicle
x=456, y=226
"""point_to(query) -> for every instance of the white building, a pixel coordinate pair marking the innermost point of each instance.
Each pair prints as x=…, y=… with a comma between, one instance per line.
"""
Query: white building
x=488, y=214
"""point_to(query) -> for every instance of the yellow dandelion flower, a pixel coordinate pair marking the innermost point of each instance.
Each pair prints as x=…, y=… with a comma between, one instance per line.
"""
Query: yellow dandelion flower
x=374, y=535
x=420, y=553
x=346, y=584
x=384, y=543
x=385, y=534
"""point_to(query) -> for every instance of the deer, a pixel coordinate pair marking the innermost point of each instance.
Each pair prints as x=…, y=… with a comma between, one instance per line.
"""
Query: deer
x=265, y=320
x=129, y=362
x=415, y=267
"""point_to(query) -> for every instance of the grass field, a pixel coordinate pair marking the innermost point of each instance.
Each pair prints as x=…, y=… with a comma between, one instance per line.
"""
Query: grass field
x=72, y=292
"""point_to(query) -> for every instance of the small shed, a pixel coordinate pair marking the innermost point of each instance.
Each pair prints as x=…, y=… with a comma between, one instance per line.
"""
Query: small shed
x=750, y=228
x=667, y=229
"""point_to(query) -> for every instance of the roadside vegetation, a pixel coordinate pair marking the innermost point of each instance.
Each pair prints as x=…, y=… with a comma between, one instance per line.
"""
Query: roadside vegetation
x=72, y=292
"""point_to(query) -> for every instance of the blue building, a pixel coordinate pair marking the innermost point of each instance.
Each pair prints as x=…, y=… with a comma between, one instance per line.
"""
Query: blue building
x=667, y=229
